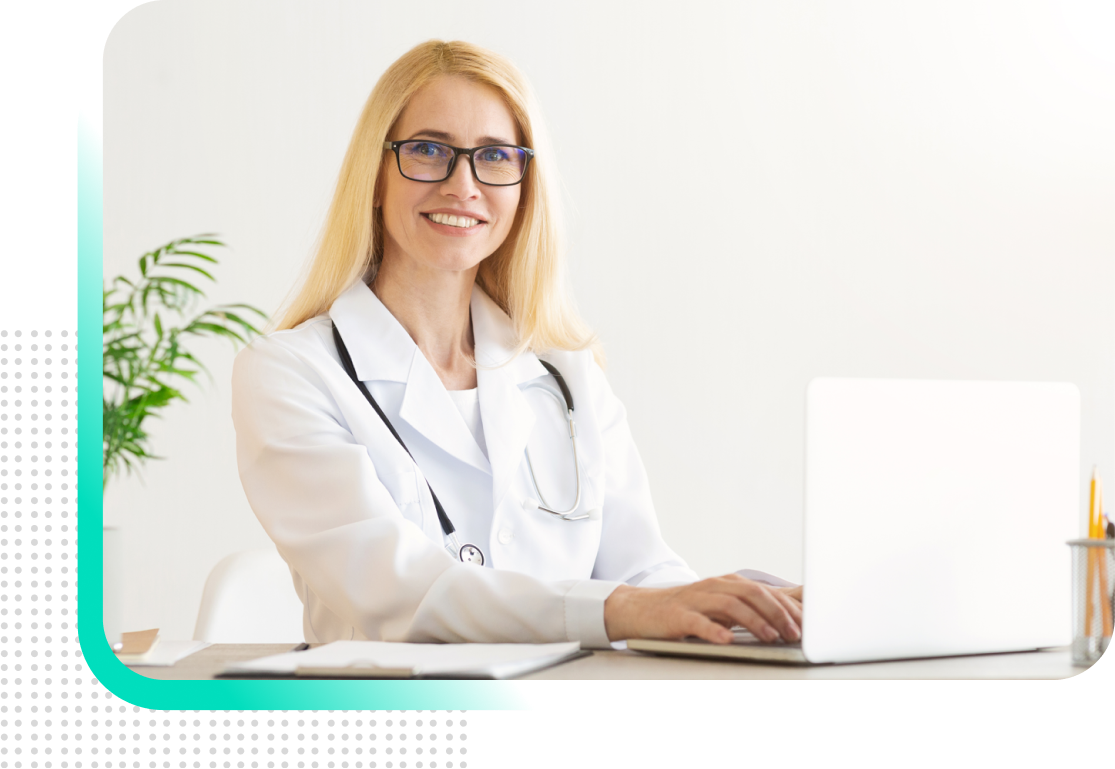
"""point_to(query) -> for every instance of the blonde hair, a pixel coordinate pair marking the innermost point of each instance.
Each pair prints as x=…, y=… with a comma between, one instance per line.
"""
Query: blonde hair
x=525, y=276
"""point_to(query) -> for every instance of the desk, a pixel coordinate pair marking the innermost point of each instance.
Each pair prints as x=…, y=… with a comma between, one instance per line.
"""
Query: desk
x=619, y=665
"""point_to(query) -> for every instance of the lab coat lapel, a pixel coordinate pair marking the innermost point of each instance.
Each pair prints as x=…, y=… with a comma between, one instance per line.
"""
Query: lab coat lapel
x=382, y=350
x=507, y=417
x=428, y=408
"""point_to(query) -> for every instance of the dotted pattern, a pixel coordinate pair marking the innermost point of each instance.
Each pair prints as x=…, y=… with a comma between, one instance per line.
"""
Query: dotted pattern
x=53, y=713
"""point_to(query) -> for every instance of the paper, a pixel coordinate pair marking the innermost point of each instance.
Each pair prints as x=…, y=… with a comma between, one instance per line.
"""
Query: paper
x=378, y=659
x=139, y=642
x=163, y=654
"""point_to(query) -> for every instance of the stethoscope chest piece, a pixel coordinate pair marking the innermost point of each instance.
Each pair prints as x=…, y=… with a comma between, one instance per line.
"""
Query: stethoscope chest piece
x=471, y=554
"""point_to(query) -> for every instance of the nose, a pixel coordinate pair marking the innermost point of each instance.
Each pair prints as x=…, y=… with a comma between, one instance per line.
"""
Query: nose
x=462, y=182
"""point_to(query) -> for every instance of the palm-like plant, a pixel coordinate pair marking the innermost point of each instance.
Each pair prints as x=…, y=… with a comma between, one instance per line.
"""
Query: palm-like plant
x=144, y=353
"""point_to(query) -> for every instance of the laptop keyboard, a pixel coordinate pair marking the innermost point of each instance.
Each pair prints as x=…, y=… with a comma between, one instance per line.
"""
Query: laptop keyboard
x=744, y=637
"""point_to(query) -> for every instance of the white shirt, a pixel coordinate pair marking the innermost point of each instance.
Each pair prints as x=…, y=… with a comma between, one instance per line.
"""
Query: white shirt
x=468, y=403
x=350, y=512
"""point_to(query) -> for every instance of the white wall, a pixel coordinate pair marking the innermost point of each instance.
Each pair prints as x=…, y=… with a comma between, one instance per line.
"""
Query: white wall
x=911, y=190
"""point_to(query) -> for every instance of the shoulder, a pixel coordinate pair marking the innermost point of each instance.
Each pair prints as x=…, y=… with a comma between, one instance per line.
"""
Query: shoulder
x=310, y=338
x=302, y=349
x=581, y=373
x=571, y=363
x=287, y=381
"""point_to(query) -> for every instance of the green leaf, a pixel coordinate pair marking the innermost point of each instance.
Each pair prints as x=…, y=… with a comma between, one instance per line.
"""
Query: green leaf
x=213, y=328
x=234, y=318
x=198, y=254
x=177, y=282
x=256, y=310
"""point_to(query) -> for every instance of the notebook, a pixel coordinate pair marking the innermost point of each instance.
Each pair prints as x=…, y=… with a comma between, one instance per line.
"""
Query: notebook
x=936, y=516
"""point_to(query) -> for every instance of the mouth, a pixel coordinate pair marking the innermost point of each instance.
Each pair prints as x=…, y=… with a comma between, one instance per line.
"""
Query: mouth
x=450, y=220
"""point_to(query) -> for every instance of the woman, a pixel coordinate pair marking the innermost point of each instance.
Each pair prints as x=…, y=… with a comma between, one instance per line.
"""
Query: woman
x=460, y=512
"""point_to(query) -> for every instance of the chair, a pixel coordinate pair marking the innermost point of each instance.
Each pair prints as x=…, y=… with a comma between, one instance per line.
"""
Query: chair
x=249, y=598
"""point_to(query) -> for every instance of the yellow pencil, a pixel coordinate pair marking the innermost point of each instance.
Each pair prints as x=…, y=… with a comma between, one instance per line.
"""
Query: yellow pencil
x=1101, y=559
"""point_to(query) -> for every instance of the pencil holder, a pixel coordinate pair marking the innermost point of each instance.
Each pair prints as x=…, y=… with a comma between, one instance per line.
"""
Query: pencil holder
x=1093, y=598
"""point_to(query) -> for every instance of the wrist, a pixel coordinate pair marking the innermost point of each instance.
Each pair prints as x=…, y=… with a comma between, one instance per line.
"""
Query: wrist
x=617, y=613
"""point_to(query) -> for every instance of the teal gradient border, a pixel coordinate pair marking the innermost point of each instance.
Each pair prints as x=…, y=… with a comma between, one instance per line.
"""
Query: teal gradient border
x=193, y=695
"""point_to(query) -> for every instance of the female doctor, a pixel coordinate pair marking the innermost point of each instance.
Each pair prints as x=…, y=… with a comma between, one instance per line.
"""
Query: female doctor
x=405, y=438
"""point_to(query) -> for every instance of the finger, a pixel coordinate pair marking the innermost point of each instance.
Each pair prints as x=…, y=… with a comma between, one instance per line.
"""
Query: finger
x=762, y=600
x=694, y=623
x=729, y=610
x=791, y=605
x=787, y=599
x=711, y=631
x=796, y=593
x=751, y=604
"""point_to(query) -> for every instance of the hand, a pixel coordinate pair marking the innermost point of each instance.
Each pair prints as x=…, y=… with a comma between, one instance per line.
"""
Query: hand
x=793, y=592
x=706, y=609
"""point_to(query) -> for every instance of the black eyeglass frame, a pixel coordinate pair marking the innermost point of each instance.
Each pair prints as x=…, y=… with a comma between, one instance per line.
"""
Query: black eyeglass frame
x=457, y=152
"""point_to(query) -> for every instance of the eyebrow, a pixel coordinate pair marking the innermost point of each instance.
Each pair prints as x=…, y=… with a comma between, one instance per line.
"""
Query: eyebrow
x=447, y=137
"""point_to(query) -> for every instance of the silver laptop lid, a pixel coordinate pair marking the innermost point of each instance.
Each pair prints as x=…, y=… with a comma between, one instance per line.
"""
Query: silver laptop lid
x=936, y=515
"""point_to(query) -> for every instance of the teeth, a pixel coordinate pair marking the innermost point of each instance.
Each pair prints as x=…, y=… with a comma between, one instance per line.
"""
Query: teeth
x=454, y=221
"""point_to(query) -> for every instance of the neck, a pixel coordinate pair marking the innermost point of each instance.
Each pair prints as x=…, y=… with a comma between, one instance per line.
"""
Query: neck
x=433, y=307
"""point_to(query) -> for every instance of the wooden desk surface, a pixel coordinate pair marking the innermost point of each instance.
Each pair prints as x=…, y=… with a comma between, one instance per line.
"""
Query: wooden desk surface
x=620, y=665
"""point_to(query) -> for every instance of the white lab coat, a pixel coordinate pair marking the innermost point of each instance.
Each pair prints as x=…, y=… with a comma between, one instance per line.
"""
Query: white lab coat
x=351, y=514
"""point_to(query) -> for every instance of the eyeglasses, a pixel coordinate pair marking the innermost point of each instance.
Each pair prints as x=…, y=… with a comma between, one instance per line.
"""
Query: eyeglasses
x=497, y=165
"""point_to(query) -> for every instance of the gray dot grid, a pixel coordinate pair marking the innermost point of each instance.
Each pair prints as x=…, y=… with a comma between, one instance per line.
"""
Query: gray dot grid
x=53, y=713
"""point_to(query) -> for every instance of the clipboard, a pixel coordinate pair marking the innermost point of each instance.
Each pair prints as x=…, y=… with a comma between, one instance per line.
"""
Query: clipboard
x=406, y=661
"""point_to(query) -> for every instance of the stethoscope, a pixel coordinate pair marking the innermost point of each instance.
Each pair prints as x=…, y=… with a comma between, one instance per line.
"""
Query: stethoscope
x=469, y=553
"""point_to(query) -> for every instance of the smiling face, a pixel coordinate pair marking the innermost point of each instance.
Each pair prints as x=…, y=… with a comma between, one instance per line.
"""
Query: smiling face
x=423, y=221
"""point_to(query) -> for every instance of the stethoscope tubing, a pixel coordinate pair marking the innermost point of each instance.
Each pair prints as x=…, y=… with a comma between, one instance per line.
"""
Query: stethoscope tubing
x=543, y=505
x=470, y=553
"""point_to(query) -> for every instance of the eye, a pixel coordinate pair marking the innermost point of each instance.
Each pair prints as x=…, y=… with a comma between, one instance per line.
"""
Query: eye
x=494, y=155
x=426, y=151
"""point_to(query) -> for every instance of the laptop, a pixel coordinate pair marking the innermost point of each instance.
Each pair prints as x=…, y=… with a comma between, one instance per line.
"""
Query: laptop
x=936, y=516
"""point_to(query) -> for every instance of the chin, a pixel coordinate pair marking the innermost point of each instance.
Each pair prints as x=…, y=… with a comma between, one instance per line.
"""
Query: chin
x=457, y=262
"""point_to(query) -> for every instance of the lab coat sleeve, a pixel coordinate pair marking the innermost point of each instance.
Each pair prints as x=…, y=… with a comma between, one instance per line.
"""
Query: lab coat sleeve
x=317, y=494
x=631, y=546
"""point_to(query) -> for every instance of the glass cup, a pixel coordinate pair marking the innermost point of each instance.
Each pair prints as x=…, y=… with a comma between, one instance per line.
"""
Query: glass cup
x=1093, y=598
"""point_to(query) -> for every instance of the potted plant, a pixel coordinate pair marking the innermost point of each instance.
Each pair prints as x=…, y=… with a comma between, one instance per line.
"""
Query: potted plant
x=148, y=323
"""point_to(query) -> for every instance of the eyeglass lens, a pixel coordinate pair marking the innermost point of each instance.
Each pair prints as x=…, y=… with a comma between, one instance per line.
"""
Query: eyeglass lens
x=430, y=161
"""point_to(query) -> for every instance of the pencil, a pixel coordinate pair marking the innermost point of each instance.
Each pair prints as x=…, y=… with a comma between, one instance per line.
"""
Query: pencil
x=1101, y=558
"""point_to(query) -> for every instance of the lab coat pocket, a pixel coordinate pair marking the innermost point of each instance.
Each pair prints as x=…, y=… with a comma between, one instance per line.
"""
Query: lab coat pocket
x=403, y=488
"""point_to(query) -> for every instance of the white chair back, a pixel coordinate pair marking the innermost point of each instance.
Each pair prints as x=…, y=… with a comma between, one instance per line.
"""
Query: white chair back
x=249, y=598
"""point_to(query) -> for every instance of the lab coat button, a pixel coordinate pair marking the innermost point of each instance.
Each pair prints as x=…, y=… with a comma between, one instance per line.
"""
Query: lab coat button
x=505, y=537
